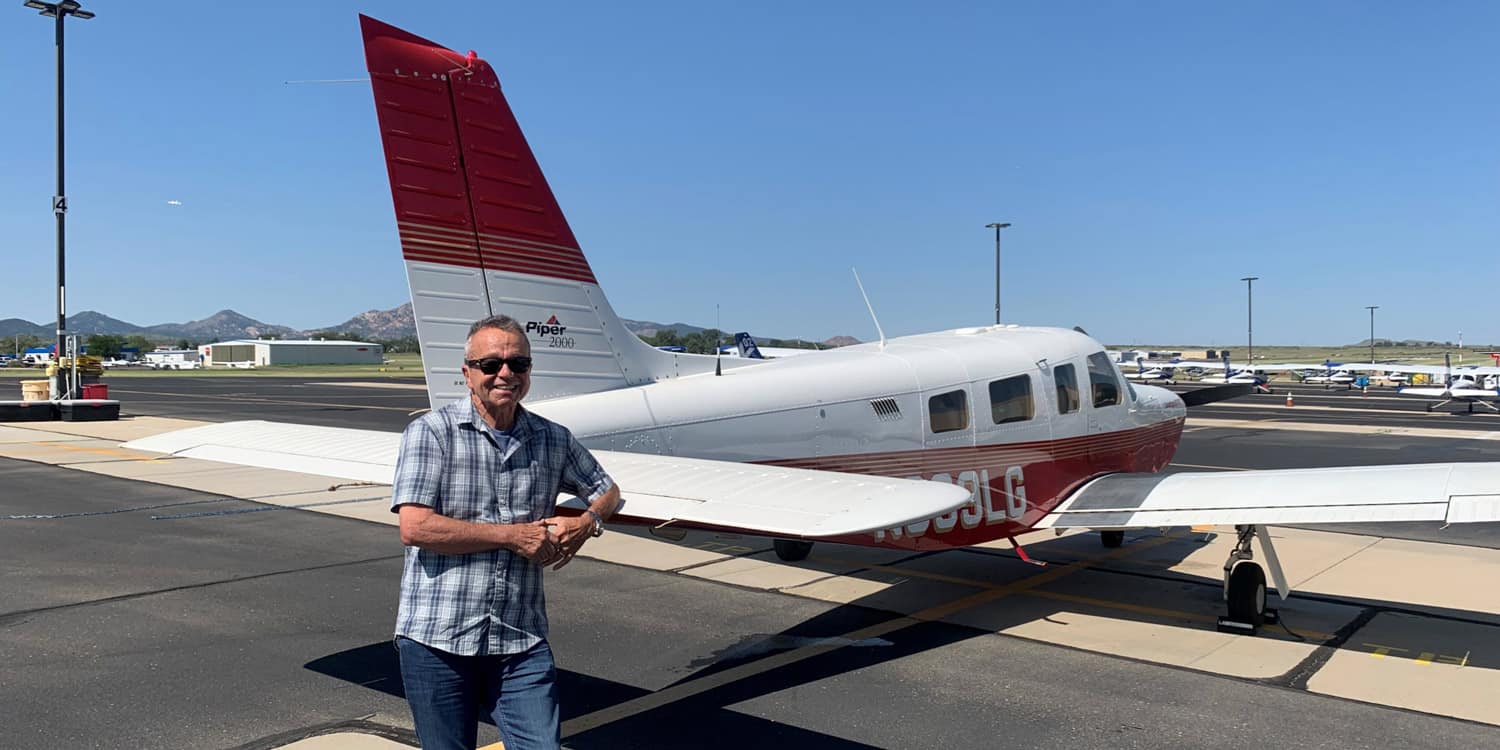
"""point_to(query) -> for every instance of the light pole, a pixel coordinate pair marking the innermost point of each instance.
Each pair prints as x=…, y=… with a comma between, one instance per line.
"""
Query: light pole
x=1250, y=317
x=59, y=11
x=1372, y=309
x=997, y=227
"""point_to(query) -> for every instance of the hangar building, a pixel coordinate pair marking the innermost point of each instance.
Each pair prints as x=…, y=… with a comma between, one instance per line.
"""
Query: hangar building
x=261, y=352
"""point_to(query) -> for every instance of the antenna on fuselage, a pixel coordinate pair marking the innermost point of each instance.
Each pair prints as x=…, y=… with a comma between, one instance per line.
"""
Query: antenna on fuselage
x=869, y=307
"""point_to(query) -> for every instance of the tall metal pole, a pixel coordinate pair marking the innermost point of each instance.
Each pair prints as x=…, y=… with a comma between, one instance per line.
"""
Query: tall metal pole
x=1250, y=317
x=1372, y=309
x=60, y=204
x=58, y=11
x=997, y=227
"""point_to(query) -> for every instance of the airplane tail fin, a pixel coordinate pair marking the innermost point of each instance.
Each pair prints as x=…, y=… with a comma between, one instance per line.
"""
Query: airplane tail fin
x=482, y=233
x=746, y=344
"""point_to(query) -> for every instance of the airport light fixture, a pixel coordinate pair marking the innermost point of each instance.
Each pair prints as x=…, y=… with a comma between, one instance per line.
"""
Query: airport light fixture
x=60, y=11
x=997, y=227
x=1372, y=309
x=1250, y=318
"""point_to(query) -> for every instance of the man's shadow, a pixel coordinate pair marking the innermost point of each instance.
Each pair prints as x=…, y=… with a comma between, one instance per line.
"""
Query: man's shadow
x=681, y=724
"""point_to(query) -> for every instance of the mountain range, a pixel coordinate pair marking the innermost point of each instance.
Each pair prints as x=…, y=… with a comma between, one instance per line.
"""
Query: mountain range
x=226, y=325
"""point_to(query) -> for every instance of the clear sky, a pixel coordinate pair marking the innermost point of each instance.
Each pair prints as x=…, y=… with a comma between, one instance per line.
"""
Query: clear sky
x=1149, y=155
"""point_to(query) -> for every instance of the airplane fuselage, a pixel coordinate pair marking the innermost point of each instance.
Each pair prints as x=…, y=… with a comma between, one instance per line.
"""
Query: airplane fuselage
x=1019, y=416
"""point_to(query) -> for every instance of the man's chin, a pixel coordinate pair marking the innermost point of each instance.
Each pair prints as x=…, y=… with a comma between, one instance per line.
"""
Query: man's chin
x=502, y=398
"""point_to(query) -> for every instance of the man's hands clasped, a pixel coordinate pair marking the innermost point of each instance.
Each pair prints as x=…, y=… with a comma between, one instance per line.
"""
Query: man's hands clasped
x=552, y=540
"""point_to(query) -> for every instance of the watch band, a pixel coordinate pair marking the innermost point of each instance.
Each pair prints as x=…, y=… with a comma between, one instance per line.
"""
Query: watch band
x=598, y=523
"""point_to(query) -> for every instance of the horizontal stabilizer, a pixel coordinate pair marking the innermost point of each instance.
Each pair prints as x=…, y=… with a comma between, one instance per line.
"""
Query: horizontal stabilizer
x=1453, y=493
x=751, y=498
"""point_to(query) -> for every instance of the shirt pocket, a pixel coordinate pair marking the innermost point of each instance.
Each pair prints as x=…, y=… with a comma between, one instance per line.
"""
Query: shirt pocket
x=522, y=492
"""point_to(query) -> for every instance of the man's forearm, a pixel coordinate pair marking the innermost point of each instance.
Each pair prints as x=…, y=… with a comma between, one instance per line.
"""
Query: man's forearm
x=450, y=536
x=606, y=504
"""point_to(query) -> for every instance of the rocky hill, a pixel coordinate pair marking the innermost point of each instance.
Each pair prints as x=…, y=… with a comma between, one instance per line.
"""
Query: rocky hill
x=227, y=324
x=379, y=324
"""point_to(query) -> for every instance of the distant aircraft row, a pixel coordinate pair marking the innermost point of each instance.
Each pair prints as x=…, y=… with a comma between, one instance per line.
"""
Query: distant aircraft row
x=1466, y=385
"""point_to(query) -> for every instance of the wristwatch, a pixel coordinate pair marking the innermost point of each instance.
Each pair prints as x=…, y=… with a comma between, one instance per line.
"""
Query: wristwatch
x=598, y=523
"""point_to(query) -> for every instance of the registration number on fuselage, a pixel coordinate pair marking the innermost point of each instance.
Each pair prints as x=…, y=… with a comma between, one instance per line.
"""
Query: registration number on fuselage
x=984, y=508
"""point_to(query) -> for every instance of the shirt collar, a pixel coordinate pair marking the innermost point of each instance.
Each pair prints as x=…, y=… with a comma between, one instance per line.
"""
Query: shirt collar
x=468, y=415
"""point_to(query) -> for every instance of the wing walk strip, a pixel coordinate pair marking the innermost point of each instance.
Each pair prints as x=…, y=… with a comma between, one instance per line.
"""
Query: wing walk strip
x=992, y=592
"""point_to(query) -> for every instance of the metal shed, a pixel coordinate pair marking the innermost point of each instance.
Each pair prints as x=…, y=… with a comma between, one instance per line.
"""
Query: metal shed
x=262, y=352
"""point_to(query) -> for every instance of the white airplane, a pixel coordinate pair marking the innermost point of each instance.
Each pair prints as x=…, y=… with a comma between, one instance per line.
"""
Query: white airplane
x=1468, y=385
x=1327, y=373
x=1153, y=374
x=745, y=346
x=923, y=442
x=1248, y=375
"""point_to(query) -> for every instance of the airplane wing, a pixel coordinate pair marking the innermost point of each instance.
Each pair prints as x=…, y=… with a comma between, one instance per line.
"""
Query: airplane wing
x=1433, y=392
x=765, y=500
x=1466, y=392
x=1454, y=493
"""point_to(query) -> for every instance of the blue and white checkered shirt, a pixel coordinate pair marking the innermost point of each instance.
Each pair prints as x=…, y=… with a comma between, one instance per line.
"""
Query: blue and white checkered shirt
x=483, y=602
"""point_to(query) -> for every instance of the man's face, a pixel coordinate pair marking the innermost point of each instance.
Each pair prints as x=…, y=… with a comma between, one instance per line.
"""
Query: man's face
x=504, y=389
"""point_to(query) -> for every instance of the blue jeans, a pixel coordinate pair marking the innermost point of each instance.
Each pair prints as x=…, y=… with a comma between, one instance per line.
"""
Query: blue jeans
x=447, y=692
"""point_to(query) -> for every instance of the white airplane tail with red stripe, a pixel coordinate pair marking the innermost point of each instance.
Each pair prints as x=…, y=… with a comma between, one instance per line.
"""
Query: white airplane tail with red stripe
x=481, y=232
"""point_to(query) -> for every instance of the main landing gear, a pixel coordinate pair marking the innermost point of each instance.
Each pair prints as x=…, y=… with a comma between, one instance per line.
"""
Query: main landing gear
x=1245, y=583
x=791, y=550
x=1485, y=404
x=1112, y=538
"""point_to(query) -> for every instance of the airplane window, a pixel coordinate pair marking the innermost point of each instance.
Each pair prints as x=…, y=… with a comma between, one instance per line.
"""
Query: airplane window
x=1067, y=388
x=948, y=411
x=1010, y=400
x=1103, y=386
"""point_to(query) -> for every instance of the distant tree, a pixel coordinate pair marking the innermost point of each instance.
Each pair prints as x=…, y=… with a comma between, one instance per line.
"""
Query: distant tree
x=703, y=342
x=185, y=344
x=27, y=341
x=665, y=338
x=403, y=345
x=104, y=345
x=139, y=343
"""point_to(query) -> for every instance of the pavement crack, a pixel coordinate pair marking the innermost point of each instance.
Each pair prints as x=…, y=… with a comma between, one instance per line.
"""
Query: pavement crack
x=10, y=618
x=1298, y=676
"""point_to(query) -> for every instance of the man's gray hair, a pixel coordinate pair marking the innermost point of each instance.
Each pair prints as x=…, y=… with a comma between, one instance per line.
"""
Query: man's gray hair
x=502, y=322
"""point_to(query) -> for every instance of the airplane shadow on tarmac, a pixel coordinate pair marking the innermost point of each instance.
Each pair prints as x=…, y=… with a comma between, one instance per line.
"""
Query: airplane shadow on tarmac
x=1139, y=588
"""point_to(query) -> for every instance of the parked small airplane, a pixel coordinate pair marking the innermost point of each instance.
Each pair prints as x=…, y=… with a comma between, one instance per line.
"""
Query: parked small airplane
x=1156, y=373
x=745, y=346
x=1468, y=385
x=922, y=442
x=1248, y=375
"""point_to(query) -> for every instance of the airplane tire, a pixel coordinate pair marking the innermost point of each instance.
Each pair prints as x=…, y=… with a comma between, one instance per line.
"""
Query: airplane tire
x=791, y=550
x=1247, y=594
x=1112, y=538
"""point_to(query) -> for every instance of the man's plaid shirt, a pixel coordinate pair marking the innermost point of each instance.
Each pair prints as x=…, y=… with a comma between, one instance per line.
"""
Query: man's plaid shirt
x=483, y=602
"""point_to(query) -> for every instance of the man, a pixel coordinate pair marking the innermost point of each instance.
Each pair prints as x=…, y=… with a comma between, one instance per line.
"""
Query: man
x=476, y=489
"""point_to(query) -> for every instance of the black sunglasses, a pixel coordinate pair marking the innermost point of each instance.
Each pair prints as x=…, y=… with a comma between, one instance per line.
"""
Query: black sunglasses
x=491, y=365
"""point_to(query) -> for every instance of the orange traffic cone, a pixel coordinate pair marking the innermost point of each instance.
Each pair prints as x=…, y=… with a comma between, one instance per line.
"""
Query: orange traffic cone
x=1289, y=398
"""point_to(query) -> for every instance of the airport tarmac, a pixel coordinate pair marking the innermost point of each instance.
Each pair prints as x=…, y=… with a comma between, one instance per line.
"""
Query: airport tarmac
x=167, y=603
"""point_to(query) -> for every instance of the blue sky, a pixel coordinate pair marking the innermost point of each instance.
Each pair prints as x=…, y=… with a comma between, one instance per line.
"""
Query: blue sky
x=1149, y=155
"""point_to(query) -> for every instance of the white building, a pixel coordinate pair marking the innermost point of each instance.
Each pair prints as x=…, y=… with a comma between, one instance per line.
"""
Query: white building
x=262, y=352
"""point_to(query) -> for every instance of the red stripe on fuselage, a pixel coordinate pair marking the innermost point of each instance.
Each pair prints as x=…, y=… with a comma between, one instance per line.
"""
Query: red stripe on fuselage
x=1041, y=474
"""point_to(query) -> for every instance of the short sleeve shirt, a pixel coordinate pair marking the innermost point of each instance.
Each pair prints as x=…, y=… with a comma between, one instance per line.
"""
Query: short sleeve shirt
x=488, y=602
